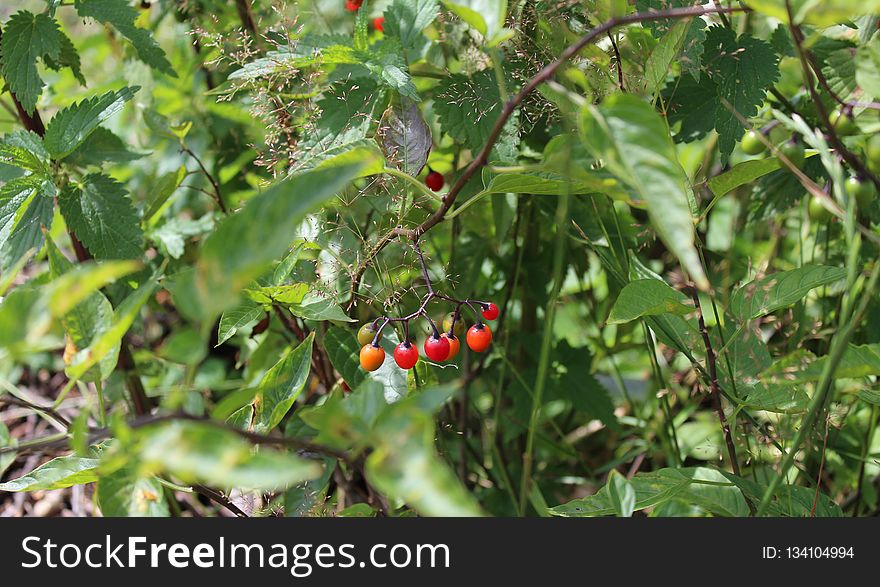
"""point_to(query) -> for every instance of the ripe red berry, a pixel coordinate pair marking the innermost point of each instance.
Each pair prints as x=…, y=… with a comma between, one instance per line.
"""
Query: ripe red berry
x=434, y=181
x=454, y=345
x=406, y=355
x=478, y=337
x=353, y=5
x=372, y=357
x=437, y=348
x=490, y=311
x=379, y=24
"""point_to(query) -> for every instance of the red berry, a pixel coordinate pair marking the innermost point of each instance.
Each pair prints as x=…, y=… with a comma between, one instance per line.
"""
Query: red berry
x=379, y=24
x=353, y=5
x=490, y=311
x=406, y=355
x=478, y=337
x=437, y=348
x=454, y=345
x=434, y=181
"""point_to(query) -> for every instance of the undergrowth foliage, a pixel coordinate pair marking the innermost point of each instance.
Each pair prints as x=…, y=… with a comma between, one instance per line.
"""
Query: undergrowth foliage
x=228, y=230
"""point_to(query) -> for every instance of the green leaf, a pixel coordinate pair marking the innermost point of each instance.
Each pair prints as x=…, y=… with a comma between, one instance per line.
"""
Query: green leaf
x=486, y=16
x=122, y=16
x=204, y=453
x=622, y=494
x=242, y=316
x=662, y=57
x=578, y=384
x=101, y=146
x=780, y=290
x=301, y=499
x=67, y=57
x=342, y=348
x=405, y=465
x=76, y=284
x=743, y=68
x=708, y=489
x=72, y=126
x=742, y=174
x=647, y=297
x=26, y=232
x=26, y=38
x=467, y=108
x=165, y=187
x=315, y=307
x=858, y=361
x=282, y=385
x=103, y=218
x=244, y=245
x=125, y=493
x=632, y=140
x=818, y=12
x=14, y=194
x=58, y=473
x=691, y=42
x=867, y=64
x=405, y=20
x=24, y=149
x=692, y=103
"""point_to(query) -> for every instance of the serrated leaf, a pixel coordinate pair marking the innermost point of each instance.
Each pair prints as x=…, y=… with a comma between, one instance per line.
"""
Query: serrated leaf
x=103, y=217
x=242, y=316
x=122, y=16
x=67, y=57
x=200, y=452
x=405, y=137
x=282, y=385
x=405, y=20
x=647, y=297
x=58, y=473
x=126, y=494
x=780, y=290
x=632, y=140
x=26, y=38
x=73, y=125
x=101, y=146
x=26, y=229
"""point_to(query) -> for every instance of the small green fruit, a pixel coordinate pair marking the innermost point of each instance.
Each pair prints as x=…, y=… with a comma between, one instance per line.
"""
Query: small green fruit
x=818, y=213
x=793, y=150
x=366, y=333
x=872, y=152
x=862, y=191
x=752, y=144
x=842, y=123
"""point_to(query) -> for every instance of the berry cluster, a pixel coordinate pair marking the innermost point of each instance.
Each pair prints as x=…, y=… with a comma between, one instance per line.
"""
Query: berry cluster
x=355, y=5
x=439, y=346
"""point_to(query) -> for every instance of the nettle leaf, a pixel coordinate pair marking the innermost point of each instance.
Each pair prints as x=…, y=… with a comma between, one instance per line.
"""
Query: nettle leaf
x=245, y=315
x=405, y=20
x=24, y=149
x=58, y=473
x=693, y=104
x=867, y=67
x=70, y=127
x=26, y=38
x=103, y=217
x=122, y=16
x=780, y=290
x=405, y=137
x=839, y=68
x=647, y=297
x=23, y=217
x=244, y=245
x=631, y=138
x=101, y=146
x=67, y=57
x=204, y=453
x=743, y=68
x=172, y=235
x=577, y=383
x=468, y=107
x=126, y=493
x=281, y=386
x=686, y=36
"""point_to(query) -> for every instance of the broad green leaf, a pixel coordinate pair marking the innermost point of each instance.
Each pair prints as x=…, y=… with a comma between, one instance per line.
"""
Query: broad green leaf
x=342, y=347
x=58, y=473
x=122, y=16
x=405, y=20
x=13, y=196
x=242, y=316
x=818, y=12
x=647, y=297
x=404, y=464
x=314, y=307
x=662, y=57
x=244, y=245
x=780, y=290
x=99, y=147
x=165, y=187
x=742, y=174
x=76, y=284
x=172, y=235
x=486, y=16
x=857, y=361
x=26, y=232
x=293, y=293
x=632, y=139
x=185, y=346
x=867, y=64
x=622, y=494
x=201, y=452
x=708, y=489
x=577, y=383
x=125, y=493
x=789, y=500
x=26, y=38
x=689, y=46
x=72, y=126
x=405, y=137
x=282, y=385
